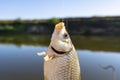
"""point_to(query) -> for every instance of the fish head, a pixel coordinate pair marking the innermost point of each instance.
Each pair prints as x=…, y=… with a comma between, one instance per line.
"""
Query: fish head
x=60, y=39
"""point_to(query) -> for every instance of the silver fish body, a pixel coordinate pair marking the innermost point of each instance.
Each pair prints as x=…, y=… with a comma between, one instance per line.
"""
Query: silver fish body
x=65, y=67
x=61, y=59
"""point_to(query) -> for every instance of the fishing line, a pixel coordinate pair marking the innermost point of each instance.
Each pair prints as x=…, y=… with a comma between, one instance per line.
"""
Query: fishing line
x=63, y=12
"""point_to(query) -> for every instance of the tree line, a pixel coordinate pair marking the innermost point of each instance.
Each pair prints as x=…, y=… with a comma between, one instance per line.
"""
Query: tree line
x=79, y=25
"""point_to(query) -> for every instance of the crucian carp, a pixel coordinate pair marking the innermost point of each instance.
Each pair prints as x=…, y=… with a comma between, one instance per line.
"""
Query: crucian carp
x=61, y=59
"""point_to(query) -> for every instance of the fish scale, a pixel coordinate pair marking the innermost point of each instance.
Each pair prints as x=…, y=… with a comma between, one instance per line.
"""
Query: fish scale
x=61, y=60
x=63, y=68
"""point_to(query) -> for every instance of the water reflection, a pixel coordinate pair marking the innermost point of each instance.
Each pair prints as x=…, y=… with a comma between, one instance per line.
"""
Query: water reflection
x=18, y=59
x=113, y=70
x=20, y=63
x=90, y=64
x=101, y=43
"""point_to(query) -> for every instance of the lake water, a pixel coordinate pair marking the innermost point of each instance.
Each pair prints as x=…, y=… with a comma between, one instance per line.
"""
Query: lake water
x=99, y=57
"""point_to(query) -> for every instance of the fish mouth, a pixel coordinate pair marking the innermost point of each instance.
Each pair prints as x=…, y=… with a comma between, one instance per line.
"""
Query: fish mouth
x=59, y=52
x=60, y=25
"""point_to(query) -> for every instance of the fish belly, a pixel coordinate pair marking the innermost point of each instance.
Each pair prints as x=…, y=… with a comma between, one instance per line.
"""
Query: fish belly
x=63, y=68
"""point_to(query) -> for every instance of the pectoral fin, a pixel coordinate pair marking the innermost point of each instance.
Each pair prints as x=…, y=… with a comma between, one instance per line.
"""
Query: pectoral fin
x=47, y=58
x=41, y=53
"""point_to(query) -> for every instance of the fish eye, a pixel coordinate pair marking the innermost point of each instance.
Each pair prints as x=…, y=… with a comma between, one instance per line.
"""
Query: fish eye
x=65, y=35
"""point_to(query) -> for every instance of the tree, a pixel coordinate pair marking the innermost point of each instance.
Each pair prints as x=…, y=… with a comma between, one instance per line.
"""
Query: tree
x=54, y=20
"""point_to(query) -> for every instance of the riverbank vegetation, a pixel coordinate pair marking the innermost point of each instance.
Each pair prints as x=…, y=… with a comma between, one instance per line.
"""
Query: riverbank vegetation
x=79, y=26
x=95, y=43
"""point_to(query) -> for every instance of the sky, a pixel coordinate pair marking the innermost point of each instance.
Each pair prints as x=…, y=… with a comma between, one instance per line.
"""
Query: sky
x=45, y=9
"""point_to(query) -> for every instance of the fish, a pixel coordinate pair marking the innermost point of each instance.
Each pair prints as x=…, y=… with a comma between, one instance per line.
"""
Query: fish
x=61, y=59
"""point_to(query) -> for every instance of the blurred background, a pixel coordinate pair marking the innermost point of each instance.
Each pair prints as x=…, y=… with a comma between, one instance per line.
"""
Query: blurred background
x=26, y=27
